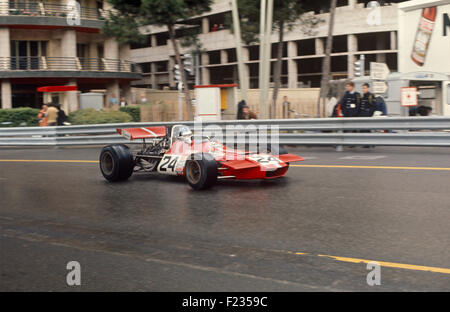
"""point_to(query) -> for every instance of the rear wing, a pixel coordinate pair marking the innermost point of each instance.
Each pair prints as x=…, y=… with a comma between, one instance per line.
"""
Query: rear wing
x=288, y=158
x=143, y=133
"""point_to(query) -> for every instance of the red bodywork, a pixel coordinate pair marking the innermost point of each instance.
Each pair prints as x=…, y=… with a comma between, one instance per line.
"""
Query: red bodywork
x=232, y=163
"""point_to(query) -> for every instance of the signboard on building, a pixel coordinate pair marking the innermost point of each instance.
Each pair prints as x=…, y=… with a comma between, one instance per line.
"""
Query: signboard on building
x=379, y=71
x=379, y=87
x=424, y=36
x=409, y=96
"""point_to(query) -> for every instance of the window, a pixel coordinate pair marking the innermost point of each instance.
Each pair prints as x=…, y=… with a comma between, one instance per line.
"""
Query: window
x=26, y=55
x=146, y=67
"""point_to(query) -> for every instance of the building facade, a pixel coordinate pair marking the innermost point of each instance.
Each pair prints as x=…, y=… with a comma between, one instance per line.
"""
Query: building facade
x=360, y=28
x=59, y=43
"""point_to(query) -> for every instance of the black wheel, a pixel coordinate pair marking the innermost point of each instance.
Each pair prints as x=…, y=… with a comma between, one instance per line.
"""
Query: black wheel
x=116, y=162
x=201, y=171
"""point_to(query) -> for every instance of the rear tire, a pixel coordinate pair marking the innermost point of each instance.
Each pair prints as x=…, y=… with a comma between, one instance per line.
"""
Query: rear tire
x=116, y=162
x=201, y=171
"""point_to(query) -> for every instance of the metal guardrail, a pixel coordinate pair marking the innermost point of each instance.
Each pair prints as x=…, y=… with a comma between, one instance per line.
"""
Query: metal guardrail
x=325, y=132
x=42, y=63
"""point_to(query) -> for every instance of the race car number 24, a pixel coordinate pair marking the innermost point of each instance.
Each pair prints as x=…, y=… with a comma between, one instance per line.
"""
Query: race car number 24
x=168, y=163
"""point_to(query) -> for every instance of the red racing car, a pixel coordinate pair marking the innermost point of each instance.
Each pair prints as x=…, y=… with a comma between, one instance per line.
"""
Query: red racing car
x=201, y=161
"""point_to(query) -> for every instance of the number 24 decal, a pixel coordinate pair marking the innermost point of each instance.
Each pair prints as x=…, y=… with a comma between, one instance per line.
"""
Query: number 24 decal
x=264, y=159
x=168, y=163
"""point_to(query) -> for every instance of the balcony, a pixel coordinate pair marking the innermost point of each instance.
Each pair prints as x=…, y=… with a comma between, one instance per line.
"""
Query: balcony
x=40, y=13
x=73, y=67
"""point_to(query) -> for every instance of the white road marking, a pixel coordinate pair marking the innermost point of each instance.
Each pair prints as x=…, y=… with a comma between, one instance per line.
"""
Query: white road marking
x=363, y=157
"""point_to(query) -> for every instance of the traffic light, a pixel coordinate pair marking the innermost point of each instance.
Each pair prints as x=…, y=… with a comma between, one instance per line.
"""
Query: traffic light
x=188, y=64
x=177, y=74
x=359, y=66
x=358, y=69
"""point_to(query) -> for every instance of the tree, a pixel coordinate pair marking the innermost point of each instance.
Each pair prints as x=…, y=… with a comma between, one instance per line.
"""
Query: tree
x=128, y=15
x=326, y=65
x=286, y=15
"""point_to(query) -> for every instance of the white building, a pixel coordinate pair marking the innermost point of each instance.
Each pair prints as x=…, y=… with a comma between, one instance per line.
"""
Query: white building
x=39, y=47
x=359, y=29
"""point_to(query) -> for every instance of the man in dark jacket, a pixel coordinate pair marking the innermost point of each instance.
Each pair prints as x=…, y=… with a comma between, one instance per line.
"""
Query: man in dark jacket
x=380, y=106
x=351, y=101
x=62, y=117
x=368, y=103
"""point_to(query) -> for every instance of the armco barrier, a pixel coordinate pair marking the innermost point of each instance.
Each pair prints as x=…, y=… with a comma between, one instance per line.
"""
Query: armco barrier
x=325, y=131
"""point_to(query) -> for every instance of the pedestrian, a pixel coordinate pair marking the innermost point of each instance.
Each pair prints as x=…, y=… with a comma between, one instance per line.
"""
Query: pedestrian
x=214, y=28
x=286, y=107
x=113, y=100
x=368, y=102
x=247, y=113
x=380, y=107
x=351, y=101
x=337, y=110
x=240, y=106
x=52, y=115
x=143, y=99
x=221, y=27
x=367, y=106
x=62, y=117
x=42, y=116
x=123, y=102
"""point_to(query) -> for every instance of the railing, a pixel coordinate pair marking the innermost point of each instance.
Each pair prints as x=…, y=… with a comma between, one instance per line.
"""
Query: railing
x=42, y=63
x=41, y=8
x=324, y=132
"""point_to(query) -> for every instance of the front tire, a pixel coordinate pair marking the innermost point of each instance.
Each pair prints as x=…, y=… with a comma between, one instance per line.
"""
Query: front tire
x=116, y=162
x=201, y=171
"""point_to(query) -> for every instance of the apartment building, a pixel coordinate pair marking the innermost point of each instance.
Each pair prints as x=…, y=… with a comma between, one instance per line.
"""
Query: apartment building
x=358, y=30
x=42, y=43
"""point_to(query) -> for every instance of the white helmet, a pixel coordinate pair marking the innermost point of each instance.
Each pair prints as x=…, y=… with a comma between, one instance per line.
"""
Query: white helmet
x=185, y=134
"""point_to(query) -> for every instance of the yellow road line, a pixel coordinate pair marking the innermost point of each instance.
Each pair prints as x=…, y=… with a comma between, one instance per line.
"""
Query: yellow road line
x=298, y=166
x=392, y=264
x=371, y=167
x=49, y=161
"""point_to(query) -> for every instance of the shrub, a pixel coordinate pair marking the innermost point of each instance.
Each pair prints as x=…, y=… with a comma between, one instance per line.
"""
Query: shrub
x=133, y=111
x=16, y=117
x=91, y=116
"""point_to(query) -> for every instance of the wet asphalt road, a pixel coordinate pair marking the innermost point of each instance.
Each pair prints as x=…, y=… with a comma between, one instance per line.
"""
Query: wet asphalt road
x=154, y=233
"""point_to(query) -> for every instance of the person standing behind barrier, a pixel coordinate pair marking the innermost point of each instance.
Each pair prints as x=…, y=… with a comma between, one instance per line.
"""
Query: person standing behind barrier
x=367, y=106
x=42, y=116
x=52, y=115
x=123, y=102
x=368, y=103
x=62, y=117
x=240, y=106
x=246, y=113
x=380, y=107
x=286, y=107
x=351, y=101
